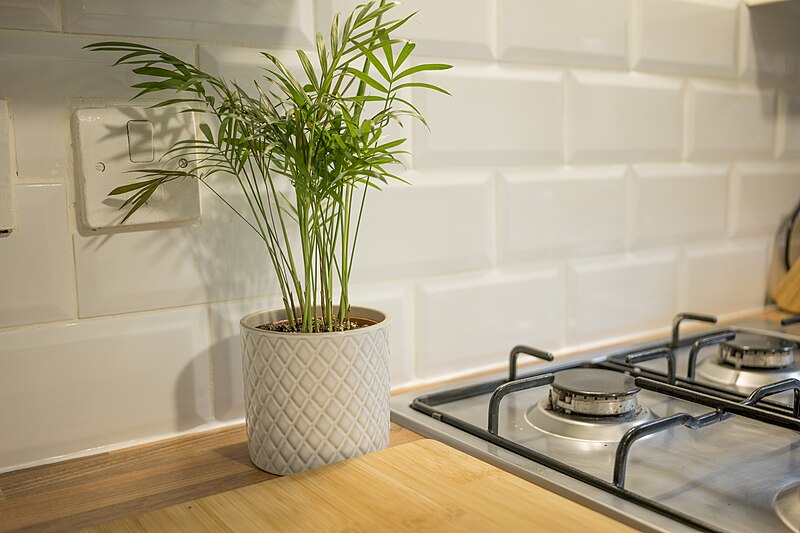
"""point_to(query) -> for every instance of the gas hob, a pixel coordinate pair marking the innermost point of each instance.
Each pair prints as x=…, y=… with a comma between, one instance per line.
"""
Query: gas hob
x=695, y=432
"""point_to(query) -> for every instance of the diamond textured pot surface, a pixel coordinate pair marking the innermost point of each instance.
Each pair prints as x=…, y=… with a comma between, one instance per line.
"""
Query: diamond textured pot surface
x=315, y=398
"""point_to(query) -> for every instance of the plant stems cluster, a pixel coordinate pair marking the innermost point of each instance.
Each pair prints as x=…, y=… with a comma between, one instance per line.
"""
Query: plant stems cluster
x=325, y=135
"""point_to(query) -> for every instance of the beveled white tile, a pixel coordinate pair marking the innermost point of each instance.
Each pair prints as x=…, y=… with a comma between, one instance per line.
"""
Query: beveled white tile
x=561, y=211
x=682, y=36
x=623, y=117
x=282, y=23
x=679, y=203
x=443, y=222
x=768, y=44
x=762, y=195
x=567, y=32
x=225, y=353
x=30, y=15
x=620, y=295
x=728, y=120
x=726, y=278
x=8, y=169
x=432, y=28
x=78, y=386
x=396, y=299
x=484, y=121
x=788, y=142
x=467, y=321
x=222, y=259
x=40, y=74
x=34, y=259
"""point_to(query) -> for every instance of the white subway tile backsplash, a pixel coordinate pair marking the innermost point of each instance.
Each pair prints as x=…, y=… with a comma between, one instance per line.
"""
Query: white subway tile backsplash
x=406, y=231
x=396, y=299
x=442, y=28
x=686, y=36
x=620, y=295
x=725, y=278
x=675, y=203
x=35, y=270
x=466, y=321
x=768, y=44
x=571, y=32
x=64, y=72
x=79, y=386
x=222, y=259
x=788, y=142
x=484, y=122
x=225, y=353
x=762, y=195
x=614, y=117
x=561, y=212
x=30, y=15
x=279, y=23
x=728, y=120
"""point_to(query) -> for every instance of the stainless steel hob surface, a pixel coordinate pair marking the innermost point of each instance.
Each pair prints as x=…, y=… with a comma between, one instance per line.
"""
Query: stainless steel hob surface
x=688, y=463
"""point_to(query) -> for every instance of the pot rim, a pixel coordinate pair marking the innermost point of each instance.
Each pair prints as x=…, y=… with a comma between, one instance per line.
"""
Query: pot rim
x=252, y=329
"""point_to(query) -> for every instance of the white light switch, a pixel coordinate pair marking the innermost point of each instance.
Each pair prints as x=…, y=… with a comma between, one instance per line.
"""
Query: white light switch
x=7, y=169
x=140, y=141
x=112, y=144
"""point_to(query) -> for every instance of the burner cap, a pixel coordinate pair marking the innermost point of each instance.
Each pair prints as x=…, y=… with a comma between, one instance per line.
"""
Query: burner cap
x=593, y=392
x=595, y=382
x=751, y=350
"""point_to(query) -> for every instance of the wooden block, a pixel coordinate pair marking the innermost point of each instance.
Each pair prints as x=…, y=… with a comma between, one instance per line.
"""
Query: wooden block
x=787, y=292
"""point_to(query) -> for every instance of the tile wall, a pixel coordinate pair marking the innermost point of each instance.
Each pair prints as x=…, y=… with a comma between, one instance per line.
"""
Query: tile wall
x=601, y=165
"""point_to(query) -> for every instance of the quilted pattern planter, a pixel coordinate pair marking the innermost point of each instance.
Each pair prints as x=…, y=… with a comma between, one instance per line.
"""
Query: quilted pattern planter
x=315, y=398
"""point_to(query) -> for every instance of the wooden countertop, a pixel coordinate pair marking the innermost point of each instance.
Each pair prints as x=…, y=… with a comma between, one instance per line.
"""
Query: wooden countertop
x=422, y=485
x=92, y=490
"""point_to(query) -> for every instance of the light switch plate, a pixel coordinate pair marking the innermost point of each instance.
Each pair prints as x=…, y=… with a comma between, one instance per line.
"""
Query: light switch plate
x=7, y=169
x=108, y=141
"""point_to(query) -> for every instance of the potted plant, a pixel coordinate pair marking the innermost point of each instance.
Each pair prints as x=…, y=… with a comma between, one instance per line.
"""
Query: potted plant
x=304, y=155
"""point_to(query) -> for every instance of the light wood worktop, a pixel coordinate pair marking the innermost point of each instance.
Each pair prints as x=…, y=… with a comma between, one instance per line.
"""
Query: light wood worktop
x=419, y=486
x=92, y=490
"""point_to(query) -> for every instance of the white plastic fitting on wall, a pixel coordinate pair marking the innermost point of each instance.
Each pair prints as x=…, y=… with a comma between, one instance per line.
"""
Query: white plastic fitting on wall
x=7, y=166
x=111, y=144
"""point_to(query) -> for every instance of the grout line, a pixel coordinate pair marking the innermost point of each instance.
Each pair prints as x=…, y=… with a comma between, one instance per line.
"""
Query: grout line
x=62, y=17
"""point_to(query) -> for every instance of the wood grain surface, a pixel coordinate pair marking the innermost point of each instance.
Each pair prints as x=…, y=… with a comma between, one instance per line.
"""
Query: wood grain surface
x=419, y=486
x=91, y=490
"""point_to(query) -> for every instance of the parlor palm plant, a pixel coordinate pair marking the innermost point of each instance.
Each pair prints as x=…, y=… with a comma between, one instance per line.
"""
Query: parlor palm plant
x=326, y=135
x=317, y=392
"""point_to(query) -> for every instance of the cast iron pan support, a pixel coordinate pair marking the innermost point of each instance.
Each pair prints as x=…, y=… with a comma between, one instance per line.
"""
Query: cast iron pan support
x=649, y=428
x=760, y=393
x=507, y=388
x=701, y=343
x=656, y=353
x=525, y=350
x=680, y=317
x=684, y=419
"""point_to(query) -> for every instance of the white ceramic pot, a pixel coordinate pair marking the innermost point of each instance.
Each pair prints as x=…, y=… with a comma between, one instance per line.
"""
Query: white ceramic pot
x=315, y=398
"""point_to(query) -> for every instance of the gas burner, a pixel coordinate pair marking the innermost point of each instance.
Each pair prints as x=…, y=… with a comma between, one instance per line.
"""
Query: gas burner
x=750, y=350
x=589, y=404
x=751, y=360
x=593, y=392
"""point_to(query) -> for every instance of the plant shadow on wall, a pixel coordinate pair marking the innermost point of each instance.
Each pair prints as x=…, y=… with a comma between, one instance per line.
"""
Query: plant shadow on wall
x=301, y=157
